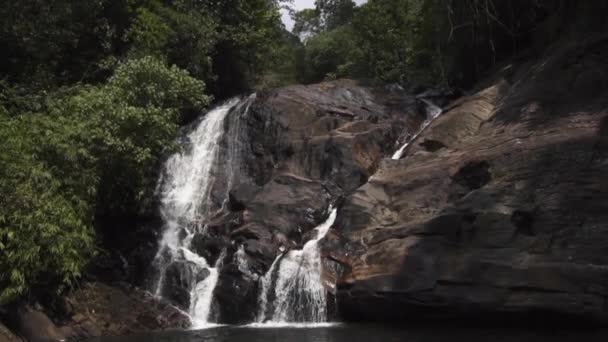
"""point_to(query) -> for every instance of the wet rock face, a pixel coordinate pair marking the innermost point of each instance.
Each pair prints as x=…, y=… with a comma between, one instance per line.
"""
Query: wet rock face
x=299, y=149
x=505, y=217
x=236, y=295
x=178, y=279
x=208, y=246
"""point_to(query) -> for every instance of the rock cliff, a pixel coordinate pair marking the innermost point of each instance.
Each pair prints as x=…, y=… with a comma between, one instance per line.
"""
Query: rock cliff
x=301, y=148
x=500, y=208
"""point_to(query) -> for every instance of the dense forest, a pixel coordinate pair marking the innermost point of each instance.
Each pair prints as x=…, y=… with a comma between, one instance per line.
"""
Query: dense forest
x=93, y=92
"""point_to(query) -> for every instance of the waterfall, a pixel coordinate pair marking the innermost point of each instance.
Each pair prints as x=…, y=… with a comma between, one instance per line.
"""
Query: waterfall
x=432, y=112
x=185, y=203
x=235, y=143
x=299, y=294
x=291, y=291
x=265, y=285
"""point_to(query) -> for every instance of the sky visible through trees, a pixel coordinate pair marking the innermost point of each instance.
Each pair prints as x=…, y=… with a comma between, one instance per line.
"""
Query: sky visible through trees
x=300, y=5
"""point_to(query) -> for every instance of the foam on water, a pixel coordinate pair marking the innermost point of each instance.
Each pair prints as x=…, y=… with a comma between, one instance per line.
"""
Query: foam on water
x=274, y=325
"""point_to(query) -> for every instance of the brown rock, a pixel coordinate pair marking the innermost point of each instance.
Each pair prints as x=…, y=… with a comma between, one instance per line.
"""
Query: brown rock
x=35, y=326
x=91, y=329
x=7, y=336
x=508, y=217
x=79, y=318
x=118, y=311
x=299, y=149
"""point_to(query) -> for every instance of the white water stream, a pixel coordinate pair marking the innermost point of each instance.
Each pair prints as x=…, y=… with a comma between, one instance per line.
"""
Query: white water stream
x=432, y=112
x=299, y=294
x=185, y=191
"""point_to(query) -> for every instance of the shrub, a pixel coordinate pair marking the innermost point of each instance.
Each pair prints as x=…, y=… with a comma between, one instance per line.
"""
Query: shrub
x=92, y=151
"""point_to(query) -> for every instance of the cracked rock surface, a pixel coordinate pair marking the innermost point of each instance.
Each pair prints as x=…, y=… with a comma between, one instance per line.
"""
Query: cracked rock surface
x=499, y=208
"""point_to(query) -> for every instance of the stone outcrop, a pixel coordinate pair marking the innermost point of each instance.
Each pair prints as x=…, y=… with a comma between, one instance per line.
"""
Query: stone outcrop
x=98, y=310
x=93, y=310
x=499, y=208
x=300, y=148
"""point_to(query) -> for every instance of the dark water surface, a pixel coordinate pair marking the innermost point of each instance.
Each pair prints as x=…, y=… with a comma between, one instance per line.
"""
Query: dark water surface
x=365, y=333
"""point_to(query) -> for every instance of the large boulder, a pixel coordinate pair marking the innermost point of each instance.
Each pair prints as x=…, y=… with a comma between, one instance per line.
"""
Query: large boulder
x=499, y=209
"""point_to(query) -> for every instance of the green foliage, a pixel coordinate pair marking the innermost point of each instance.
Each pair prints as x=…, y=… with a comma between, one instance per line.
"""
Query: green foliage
x=335, y=13
x=393, y=45
x=49, y=42
x=328, y=55
x=384, y=40
x=306, y=23
x=94, y=150
x=233, y=45
x=45, y=230
x=147, y=82
x=429, y=42
x=88, y=106
x=250, y=35
x=287, y=58
x=150, y=33
x=183, y=32
x=228, y=44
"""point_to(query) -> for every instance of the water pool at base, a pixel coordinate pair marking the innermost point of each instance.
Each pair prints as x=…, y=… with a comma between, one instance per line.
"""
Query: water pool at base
x=363, y=333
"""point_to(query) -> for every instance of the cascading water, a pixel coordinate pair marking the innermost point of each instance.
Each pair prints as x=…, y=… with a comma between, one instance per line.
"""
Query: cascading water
x=235, y=142
x=291, y=291
x=299, y=294
x=185, y=204
x=201, y=295
x=432, y=112
x=265, y=286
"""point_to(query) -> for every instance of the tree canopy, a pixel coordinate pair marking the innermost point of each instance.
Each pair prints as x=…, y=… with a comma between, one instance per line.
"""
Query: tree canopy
x=429, y=42
x=92, y=93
